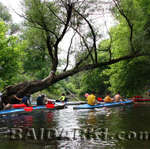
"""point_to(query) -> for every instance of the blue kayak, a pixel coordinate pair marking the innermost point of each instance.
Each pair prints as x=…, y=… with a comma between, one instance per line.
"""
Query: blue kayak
x=72, y=102
x=112, y=104
x=34, y=108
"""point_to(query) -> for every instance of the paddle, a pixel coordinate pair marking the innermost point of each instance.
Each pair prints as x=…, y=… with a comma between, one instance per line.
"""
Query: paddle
x=99, y=99
x=50, y=106
x=15, y=106
x=28, y=109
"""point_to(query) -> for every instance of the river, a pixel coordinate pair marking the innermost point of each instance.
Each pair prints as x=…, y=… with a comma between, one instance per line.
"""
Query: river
x=126, y=127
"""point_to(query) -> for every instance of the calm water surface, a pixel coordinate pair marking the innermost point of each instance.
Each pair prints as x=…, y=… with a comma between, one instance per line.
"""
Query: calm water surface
x=113, y=128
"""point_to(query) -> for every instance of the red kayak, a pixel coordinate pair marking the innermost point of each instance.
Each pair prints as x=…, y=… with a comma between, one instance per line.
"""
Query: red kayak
x=140, y=100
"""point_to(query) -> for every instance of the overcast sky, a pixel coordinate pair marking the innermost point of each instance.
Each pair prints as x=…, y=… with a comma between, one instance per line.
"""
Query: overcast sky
x=13, y=5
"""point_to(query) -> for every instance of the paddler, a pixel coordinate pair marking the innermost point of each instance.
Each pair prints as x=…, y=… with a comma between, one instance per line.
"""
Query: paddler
x=91, y=99
x=26, y=100
x=108, y=98
x=117, y=97
x=62, y=98
x=40, y=100
x=13, y=100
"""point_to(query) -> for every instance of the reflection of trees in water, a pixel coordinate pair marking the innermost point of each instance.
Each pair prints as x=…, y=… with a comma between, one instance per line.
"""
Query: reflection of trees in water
x=135, y=119
x=44, y=119
x=115, y=119
x=91, y=118
x=4, y=121
x=41, y=119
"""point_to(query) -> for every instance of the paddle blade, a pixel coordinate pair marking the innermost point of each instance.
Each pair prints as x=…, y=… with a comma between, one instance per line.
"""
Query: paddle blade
x=18, y=106
x=28, y=109
x=99, y=99
x=50, y=106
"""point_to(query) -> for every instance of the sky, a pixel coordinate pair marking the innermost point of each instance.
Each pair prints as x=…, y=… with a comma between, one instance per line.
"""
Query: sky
x=13, y=5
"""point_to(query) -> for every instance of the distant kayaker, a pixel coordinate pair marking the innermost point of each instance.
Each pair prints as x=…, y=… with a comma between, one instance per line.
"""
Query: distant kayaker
x=108, y=98
x=62, y=98
x=26, y=100
x=117, y=97
x=40, y=100
x=14, y=100
x=91, y=99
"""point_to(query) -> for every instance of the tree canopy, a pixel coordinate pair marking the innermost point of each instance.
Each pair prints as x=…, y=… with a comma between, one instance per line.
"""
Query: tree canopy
x=115, y=62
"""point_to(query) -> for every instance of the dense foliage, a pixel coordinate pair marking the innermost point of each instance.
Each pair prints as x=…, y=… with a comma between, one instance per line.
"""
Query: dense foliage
x=131, y=77
x=11, y=55
x=26, y=56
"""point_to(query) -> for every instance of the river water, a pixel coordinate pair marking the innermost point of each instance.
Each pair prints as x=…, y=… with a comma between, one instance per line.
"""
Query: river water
x=125, y=127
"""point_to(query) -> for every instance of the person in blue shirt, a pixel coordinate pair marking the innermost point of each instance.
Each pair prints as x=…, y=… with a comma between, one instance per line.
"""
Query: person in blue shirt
x=40, y=100
x=26, y=100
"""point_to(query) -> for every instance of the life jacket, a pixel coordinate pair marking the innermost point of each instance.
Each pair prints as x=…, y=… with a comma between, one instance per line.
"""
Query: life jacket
x=107, y=99
x=62, y=98
x=91, y=99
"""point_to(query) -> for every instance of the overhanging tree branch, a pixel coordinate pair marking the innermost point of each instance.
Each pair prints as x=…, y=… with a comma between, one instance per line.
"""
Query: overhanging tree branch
x=68, y=53
x=87, y=47
x=98, y=65
x=33, y=86
x=110, y=44
x=82, y=37
x=130, y=25
x=93, y=33
x=69, y=8
x=36, y=23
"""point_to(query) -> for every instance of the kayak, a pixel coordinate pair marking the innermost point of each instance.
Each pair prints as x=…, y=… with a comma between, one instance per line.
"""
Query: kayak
x=112, y=104
x=140, y=100
x=17, y=106
x=34, y=108
x=72, y=102
x=66, y=103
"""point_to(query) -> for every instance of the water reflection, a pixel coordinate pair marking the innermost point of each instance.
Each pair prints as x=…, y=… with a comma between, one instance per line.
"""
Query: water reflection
x=91, y=120
x=22, y=121
x=65, y=122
